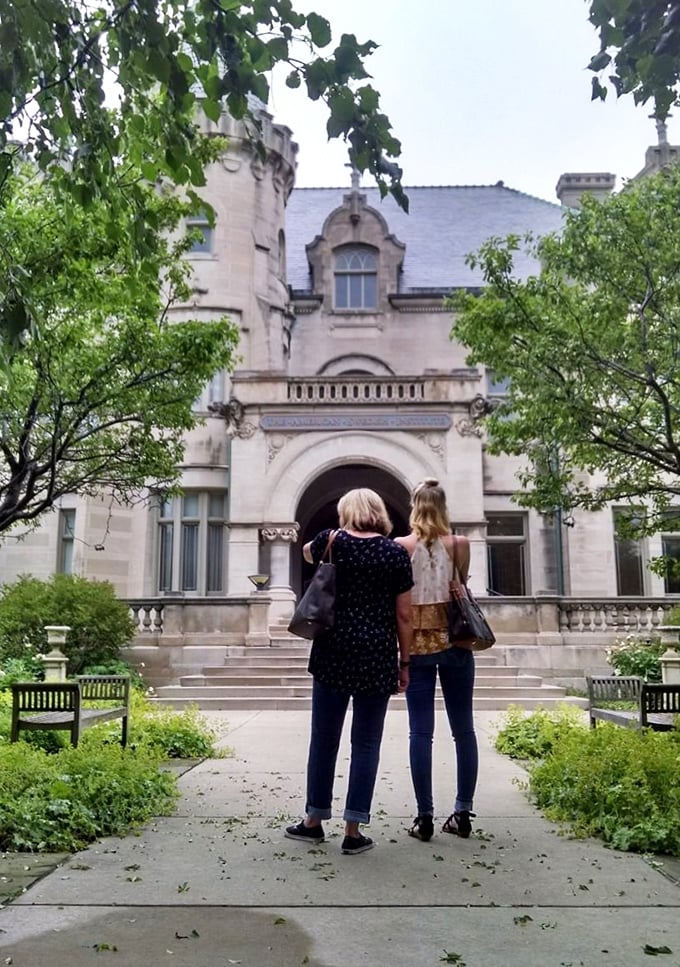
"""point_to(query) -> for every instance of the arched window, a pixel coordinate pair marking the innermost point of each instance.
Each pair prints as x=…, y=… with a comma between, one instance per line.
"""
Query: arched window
x=356, y=277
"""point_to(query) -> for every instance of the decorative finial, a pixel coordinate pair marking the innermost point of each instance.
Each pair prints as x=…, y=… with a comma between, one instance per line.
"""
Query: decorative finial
x=356, y=177
x=661, y=131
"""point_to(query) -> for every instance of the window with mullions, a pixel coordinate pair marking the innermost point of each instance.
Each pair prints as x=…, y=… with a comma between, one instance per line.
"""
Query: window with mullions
x=629, y=556
x=506, y=553
x=356, y=278
x=670, y=549
x=191, y=543
x=67, y=526
x=201, y=229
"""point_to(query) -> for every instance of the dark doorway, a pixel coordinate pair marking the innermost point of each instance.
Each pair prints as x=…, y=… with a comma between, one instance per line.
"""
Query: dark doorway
x=317, y=508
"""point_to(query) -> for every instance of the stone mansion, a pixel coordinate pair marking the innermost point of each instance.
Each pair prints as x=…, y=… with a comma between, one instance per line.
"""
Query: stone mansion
x=348, y=376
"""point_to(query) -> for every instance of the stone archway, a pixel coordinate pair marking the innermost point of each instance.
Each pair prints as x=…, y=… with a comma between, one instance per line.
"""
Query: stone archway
x=316, y=508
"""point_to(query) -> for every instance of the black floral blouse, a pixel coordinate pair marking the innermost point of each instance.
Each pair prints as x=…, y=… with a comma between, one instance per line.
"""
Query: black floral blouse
x=360, y=654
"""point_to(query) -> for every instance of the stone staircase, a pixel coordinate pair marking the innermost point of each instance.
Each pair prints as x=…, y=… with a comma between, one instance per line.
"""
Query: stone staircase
x=275, y=677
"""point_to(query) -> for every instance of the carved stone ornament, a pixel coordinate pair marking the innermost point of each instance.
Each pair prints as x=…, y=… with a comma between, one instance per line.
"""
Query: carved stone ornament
x=480, y=406
x=435, y=442
x=468, y=428
x=233, y=414
x=287, y=533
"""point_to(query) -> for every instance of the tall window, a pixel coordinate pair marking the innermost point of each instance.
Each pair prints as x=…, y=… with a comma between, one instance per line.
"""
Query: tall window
x=670, y=548
x=356, y=277
x=67, y=525
x=629, y=559
x=195, y=561
x=506, y=551
x=670, y=544
x=202, y=232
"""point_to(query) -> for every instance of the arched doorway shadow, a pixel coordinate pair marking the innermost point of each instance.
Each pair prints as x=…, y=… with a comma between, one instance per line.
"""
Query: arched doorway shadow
x=317, y=507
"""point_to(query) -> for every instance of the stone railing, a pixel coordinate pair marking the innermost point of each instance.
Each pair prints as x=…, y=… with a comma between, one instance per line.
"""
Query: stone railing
x=620, y=616
x=609, y=616
x=147, y=615
x=364, y=389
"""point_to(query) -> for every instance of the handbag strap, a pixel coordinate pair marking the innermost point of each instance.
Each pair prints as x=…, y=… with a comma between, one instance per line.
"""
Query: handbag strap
x=331, y=538
x=457, y=576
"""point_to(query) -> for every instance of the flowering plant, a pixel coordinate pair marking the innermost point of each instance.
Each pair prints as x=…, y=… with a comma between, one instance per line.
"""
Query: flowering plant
x=634, y=655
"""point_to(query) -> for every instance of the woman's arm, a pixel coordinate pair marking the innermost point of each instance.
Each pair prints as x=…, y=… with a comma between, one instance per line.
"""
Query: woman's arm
x=307, y=552
x=404, y=636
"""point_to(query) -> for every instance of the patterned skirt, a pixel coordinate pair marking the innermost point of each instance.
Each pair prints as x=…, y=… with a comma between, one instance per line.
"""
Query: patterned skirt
x=430, y=629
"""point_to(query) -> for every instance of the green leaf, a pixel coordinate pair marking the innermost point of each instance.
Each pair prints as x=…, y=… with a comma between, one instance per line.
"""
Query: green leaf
x=319, y=29
x=211, y=109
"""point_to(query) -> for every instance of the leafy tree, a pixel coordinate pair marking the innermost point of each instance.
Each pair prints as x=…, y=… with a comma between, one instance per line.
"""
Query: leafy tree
x=100, y=624
x=100, y=394
x=591, y=347
x=60, y=60
x=639, y=50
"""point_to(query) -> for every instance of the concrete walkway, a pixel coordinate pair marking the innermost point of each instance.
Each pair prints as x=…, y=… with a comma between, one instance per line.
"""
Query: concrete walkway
x=218, y=884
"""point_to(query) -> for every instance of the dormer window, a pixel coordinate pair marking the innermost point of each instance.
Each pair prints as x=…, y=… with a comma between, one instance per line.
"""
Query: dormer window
x=356, y=278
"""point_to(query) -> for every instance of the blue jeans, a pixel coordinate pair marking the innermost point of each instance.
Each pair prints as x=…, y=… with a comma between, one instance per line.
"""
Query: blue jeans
x=456, y=668
x=329, y=708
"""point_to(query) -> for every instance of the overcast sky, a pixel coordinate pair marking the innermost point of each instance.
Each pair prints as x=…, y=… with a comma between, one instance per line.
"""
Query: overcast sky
x=477, y=92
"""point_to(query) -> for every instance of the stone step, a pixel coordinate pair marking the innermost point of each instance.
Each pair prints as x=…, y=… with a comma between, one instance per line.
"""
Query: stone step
x=245, y=654
x=298, y=676
x=240, y=663
x=303, y=689
x=493, y=703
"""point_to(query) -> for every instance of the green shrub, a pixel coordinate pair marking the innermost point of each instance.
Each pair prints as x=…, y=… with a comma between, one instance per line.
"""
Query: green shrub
x=100, y=624
x=63, y=801
x=27, y=669
x=173, y=734
x=622, y=785
x=633, y=655
x=534, y=736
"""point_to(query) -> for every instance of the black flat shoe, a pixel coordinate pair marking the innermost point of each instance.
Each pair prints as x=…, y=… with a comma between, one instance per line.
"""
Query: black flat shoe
x=306, y=834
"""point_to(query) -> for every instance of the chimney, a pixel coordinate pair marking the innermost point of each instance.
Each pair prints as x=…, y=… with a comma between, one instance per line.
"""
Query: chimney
x=572, y=186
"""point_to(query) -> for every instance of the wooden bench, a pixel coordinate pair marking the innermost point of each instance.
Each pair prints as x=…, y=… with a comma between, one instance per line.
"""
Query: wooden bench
x=656, y=705
x=59, y=705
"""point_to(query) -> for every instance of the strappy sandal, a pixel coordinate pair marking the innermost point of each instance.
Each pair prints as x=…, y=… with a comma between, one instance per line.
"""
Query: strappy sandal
x=423, y=828
x=459, y=823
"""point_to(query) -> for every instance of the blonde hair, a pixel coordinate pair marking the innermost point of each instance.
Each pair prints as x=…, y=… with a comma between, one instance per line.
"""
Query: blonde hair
x=364, y=510
x=429, y=515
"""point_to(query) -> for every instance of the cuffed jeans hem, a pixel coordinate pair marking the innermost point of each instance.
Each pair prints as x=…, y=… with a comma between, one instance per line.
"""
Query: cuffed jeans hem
x=462, y=805
x=352, y=816
x=315, y=813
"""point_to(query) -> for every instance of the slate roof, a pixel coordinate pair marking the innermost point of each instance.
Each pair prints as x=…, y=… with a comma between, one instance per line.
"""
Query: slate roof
x=444, y=225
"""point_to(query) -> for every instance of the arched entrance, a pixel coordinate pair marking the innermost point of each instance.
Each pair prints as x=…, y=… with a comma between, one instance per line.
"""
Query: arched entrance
x=317, y=507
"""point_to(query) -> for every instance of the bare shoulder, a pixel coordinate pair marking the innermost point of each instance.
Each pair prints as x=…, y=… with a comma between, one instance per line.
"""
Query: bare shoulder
x=408, y=543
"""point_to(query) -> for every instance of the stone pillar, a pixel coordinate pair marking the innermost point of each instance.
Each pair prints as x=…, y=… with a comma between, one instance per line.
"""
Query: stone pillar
x=281, y=537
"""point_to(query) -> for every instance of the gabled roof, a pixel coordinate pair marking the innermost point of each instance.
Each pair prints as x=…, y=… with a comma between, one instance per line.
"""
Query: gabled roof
x=444, y=225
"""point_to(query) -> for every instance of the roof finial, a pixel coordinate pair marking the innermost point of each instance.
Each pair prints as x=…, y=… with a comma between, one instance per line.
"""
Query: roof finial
x=661, y=131
x=356, y=176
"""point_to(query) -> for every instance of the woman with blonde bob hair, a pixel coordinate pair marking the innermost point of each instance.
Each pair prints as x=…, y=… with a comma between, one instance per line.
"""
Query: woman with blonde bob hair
x=439, y=560
x=357, y=659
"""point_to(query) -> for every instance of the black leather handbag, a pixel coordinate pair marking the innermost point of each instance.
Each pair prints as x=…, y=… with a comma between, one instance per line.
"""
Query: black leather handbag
x=315, y=612
x=468, y=628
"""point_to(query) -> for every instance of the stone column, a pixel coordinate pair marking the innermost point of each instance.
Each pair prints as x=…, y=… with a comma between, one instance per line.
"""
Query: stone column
x=281, y=537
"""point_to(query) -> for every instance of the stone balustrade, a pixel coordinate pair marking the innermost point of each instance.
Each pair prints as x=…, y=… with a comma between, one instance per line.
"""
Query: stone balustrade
x=364, y=389
x=618, y=616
